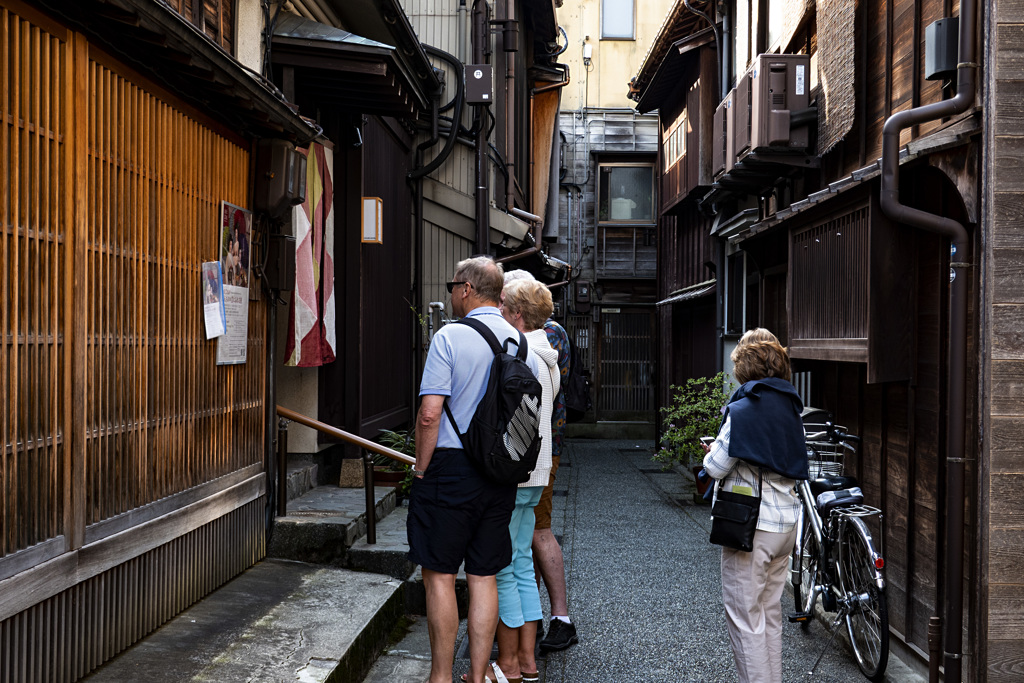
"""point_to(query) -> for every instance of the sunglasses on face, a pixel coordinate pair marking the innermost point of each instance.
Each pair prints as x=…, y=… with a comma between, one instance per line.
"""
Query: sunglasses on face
x=452, y=285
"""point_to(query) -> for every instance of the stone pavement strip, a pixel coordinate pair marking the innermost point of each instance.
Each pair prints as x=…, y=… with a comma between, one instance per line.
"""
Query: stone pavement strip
x=643, y=582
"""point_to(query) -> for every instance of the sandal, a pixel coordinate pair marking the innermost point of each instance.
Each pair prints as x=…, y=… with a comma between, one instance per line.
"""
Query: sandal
x=500, y=677
x=531, y=677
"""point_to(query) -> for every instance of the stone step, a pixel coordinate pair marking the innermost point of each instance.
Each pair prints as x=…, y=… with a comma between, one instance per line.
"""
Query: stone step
x=324, y=523
x=278, y=621
x=303, y=472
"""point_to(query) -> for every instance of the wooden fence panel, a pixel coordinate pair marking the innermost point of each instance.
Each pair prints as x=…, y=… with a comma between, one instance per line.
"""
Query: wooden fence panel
x=32, y=271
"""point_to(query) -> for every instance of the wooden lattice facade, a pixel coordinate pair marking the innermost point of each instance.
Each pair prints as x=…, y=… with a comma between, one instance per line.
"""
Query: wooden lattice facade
x=131, y=469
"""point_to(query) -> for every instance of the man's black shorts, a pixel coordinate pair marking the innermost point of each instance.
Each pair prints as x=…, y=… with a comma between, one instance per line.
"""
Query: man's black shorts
x=455, y=514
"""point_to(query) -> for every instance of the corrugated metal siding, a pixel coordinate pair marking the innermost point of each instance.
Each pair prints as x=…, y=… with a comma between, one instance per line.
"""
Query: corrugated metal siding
x=442, y=249
x=587, y=134
x=436, y=24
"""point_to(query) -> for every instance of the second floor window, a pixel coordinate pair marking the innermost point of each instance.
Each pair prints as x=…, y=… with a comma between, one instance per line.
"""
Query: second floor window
x=617, y=18
x=626, y=193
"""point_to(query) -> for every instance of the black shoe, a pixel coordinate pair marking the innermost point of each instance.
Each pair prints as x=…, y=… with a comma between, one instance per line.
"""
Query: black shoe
x=560, y=636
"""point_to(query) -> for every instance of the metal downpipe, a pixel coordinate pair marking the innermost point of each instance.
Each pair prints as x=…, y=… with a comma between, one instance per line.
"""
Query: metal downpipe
x=959, y=260
x=480, y=37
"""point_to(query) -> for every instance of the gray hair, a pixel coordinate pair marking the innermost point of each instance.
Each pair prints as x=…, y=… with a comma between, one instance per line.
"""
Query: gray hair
x=485, y=274
x=519, y=274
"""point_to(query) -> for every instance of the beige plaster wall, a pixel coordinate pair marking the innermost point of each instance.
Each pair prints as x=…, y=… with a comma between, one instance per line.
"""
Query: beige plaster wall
x=249, y=34
x=605, y=83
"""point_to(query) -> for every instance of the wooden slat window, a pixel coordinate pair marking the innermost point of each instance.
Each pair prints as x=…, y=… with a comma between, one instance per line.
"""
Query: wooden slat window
x=33, y=225
x=215, y=18
x=162, y=417
x=830, y=279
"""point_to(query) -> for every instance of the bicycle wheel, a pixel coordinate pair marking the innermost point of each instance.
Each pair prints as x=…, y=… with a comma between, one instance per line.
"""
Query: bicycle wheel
x=808, y=562
x=867, y=618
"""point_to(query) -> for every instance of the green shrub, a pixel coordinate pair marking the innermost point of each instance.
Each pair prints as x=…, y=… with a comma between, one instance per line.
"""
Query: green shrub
x=404, y=442
x=695, y=411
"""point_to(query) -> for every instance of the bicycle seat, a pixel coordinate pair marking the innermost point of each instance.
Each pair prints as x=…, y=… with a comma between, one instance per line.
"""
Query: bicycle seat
x=819, y=486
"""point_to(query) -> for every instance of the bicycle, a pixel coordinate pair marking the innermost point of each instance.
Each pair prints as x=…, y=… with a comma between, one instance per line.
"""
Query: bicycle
x=835, y=557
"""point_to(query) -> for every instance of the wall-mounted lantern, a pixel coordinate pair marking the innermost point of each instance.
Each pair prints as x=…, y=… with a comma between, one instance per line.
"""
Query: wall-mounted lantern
x=373, y=220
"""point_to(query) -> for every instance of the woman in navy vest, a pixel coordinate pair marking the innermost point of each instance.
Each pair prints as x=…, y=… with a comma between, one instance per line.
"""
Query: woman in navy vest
x=760, y=447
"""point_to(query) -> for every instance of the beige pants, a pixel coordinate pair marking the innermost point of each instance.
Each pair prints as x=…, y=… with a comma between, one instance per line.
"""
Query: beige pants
x=752, y=586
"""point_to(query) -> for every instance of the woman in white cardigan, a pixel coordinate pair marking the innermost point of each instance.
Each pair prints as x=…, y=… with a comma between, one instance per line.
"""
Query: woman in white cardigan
x=526, y=305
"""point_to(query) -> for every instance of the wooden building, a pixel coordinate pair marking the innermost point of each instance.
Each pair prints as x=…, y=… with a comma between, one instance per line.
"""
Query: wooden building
x=832, y=232
x=136, y=474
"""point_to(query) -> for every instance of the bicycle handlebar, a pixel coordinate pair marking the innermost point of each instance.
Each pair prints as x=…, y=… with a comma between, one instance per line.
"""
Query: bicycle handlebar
x=832, y=435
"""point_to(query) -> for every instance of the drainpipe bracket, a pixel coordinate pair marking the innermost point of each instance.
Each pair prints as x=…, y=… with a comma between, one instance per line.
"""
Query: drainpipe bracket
x=952, y=655
x=960, y=264
x=968, y=65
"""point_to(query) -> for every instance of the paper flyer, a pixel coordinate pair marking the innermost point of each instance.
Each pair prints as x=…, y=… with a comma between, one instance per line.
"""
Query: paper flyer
x=213, y=300
x=234, y=231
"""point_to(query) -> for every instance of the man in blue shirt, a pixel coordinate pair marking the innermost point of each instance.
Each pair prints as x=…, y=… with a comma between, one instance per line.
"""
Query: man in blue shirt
x=455, y=514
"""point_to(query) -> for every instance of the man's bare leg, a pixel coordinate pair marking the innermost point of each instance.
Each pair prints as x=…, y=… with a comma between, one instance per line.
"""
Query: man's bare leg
x=442, y=623
x=547, y=557
x=480, y=625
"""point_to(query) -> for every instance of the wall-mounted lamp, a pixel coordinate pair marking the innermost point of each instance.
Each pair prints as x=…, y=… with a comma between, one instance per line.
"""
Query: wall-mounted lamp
x=373, y=220
x=588, y=52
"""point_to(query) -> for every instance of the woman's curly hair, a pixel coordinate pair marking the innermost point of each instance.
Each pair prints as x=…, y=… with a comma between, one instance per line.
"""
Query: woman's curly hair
x=758, y=355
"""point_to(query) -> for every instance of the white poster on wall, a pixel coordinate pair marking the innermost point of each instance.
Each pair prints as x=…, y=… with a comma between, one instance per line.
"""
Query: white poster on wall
x=234, y=233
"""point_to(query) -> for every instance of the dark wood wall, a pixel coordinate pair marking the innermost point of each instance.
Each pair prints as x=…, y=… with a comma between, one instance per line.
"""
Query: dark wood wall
x=371, y=386
x=1002, y=344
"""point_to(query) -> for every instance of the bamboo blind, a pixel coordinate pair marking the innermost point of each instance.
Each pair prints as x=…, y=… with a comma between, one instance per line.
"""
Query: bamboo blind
x=33, y=165
x=111, y=398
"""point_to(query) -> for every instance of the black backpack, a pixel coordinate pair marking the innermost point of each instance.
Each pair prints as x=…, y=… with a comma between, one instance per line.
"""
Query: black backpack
x=503, y=438
x=577, y=389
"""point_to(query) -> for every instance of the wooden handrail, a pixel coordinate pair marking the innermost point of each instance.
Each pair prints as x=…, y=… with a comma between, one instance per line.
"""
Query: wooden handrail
x=345, y=436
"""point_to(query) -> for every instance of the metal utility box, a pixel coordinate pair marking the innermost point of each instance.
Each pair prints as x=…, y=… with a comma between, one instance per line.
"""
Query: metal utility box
x=479, y=84
x=280, y=177
x=941, y=49
x=280, y=270
x=723, y=153
x=779, y=86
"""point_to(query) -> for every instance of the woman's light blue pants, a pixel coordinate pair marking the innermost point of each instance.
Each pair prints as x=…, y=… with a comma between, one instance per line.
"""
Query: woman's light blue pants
x=518, y=597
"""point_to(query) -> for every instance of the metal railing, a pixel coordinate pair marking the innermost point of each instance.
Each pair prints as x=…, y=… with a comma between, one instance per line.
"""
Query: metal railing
x=282, y=465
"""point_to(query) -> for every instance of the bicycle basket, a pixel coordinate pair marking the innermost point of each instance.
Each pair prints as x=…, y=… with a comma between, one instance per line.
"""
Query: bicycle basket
x=824, y=459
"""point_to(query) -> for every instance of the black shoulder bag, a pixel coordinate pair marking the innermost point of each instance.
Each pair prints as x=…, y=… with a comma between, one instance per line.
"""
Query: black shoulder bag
x=734, y=518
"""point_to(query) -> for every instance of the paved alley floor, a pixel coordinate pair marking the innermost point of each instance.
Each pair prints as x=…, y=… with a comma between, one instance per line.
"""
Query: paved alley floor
x=643, y=581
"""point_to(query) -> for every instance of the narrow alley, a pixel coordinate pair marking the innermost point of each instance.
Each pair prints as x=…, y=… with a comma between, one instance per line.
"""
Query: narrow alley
x=643, y=581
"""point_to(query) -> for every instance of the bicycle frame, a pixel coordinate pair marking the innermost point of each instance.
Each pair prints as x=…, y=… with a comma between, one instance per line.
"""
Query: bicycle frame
x=809, y=511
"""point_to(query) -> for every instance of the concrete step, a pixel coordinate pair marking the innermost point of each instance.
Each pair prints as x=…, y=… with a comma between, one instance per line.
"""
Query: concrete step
x=322, y=524
x=278, y=621
x=389, y=555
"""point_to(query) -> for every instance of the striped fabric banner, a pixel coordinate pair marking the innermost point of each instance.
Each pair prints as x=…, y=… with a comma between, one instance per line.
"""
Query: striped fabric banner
x=312, y=338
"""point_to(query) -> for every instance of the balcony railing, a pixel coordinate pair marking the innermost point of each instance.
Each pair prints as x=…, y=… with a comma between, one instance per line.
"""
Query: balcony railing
x=626, y=251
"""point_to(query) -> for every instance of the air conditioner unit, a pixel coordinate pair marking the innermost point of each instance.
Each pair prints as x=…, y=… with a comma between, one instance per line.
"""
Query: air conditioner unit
x=741, y=132
x=723, y=153
x=779, y=86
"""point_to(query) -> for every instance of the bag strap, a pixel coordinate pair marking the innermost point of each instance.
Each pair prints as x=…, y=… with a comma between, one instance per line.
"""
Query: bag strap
x=455, y=425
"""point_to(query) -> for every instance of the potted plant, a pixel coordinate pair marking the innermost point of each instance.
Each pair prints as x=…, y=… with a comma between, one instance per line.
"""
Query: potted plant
x=695, y=410
x=388, y=472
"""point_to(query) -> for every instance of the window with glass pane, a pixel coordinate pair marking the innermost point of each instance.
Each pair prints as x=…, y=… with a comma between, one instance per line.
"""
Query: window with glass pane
x=617, y=19
x=626, y=193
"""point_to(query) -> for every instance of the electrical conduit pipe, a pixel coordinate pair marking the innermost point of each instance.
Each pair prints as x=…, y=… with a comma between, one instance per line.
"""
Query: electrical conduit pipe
x=959, y=261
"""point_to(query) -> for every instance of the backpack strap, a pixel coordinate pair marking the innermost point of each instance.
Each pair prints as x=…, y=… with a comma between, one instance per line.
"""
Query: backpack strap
x=492, y=340
x=496, y=348
x=484, y=331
